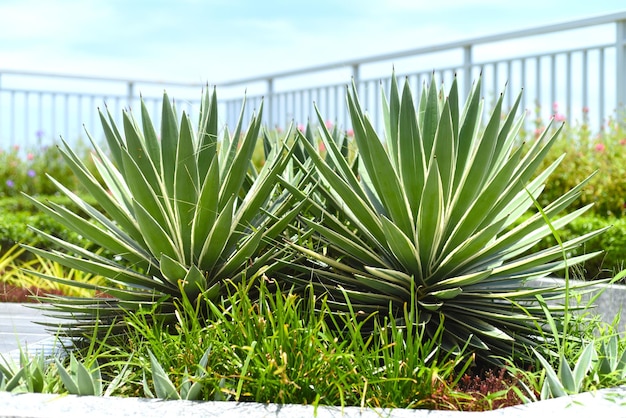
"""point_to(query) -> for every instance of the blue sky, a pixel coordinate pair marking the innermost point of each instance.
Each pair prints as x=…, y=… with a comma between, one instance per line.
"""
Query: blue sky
x=219, y=40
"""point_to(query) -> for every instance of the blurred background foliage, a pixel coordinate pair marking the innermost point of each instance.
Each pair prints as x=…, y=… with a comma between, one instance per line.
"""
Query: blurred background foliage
x=604, y=152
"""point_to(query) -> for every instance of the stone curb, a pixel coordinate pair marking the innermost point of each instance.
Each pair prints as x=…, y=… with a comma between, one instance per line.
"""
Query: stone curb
x=606, y=403
x=608, y=304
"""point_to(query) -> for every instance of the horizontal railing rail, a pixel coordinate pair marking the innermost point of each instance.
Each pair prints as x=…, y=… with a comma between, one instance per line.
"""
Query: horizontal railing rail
x=581, y=83
x=575, y=70
x=37, y=108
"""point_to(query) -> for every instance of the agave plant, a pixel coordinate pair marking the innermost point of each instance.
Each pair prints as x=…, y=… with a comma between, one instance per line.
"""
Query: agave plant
x=431, y=217
x=183, y=213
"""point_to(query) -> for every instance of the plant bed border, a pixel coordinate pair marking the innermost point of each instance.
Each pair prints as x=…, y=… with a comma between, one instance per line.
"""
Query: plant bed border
x=605, y=402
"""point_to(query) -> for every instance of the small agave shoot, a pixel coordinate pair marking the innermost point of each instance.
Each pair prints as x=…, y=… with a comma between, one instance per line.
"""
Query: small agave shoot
x=430, y=218
x=183, y=212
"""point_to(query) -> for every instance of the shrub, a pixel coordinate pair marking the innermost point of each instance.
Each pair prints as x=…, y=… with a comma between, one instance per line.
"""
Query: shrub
x=182, y=213
x=585, y=154
x=18, y=213
x=426, y=221
x=27, y=171
x=612, y=243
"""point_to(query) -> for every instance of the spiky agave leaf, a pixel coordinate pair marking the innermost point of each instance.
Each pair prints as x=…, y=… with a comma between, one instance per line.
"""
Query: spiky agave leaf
x=431, y=215
x=181, y=212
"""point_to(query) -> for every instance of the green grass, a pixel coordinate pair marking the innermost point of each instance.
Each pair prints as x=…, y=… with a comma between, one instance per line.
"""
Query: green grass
x=277, y=347
x=267, y=344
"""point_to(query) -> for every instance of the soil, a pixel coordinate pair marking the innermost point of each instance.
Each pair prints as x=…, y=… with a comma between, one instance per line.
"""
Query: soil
x=10, y=293
x=15, y=294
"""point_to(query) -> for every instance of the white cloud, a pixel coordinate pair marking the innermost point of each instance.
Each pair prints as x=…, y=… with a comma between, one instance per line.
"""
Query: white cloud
x=61, y=21
x=441, y=5
x=186, y=41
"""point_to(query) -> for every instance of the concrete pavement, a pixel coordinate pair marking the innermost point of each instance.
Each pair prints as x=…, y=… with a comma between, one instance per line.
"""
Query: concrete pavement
x=19, y=330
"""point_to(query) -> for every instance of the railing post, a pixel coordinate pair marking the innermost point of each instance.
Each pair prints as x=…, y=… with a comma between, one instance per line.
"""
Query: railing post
x=270, y=101
x=0, y=110
x=620, y=49
x=467, y=68
x=356, y=74
x=131, y=94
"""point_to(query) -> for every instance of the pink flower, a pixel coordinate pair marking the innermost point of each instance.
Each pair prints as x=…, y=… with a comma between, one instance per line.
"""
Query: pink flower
x=300, y=127
x=350, y=132
x=30, y=156
x=329, y=124
x=585, y=109
x=559, y=117
x=622, y=141
x=600, y=147
x=555, y=107
x=321, y=146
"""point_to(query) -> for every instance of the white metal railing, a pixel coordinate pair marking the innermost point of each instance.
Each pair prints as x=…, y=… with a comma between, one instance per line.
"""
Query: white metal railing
x=579, y=66
x=37, y=108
